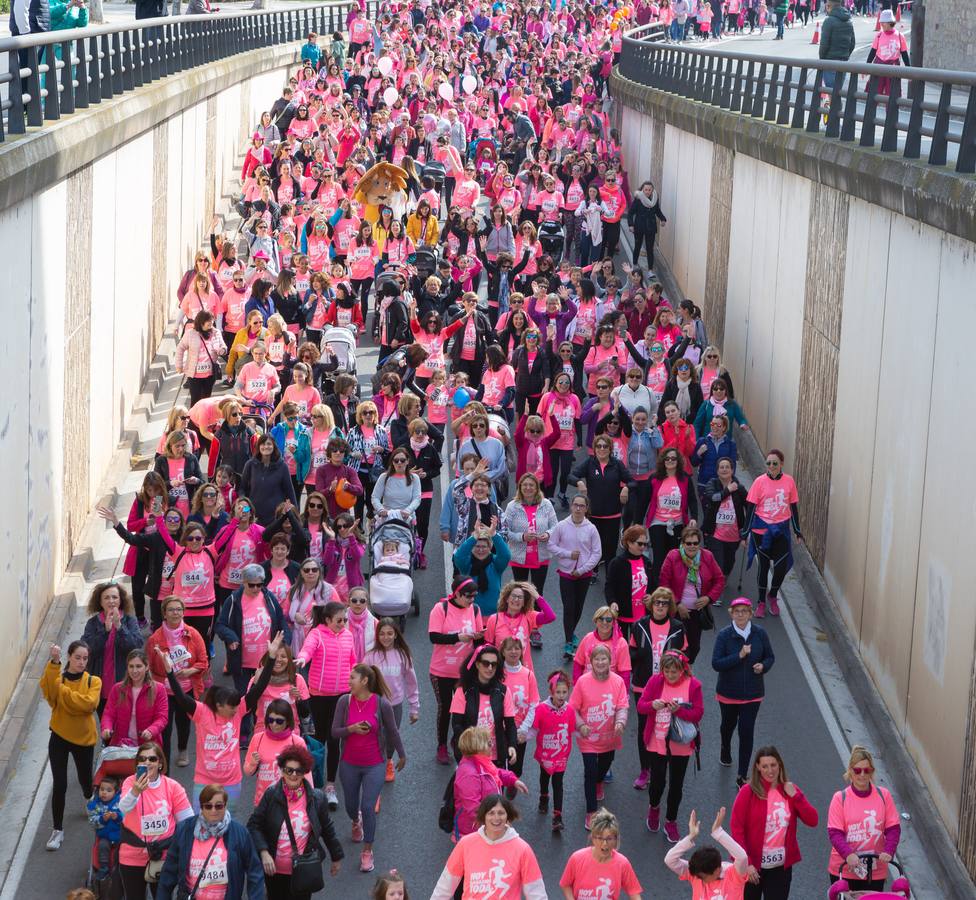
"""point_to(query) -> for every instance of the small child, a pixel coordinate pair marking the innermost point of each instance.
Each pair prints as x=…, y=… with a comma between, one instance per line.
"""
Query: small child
x=763, y=14
x=104, y=815
x=705, y=20
x=390, y=887
x=520, y=683
x=553, y=724
x=460, y=380
x=708, y=874
x=224, y=479
x=391, y=555
x=437, y=398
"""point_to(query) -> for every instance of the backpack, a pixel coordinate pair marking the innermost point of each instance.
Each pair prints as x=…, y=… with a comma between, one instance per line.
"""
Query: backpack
x=447, y=813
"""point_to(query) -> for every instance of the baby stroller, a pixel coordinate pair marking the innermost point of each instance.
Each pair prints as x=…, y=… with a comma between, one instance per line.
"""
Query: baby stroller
x=104, y=888
x=340, y=341
x=485, y=159
x=900, y=888
x=553, y=240
x=391, y=591
x=436, y=172
x=425, y=262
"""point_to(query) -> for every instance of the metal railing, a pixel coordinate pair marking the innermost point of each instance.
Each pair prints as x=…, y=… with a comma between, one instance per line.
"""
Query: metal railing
x=54, y=74
x=935, y=113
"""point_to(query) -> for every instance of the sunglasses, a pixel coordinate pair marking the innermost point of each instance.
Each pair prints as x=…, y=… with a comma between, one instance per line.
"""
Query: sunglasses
x=292, y=770
x=173, y=519
x=147, y=759
x=357, y=601
x=255, y=584
x=209, y=495
x=692, y=543
x=772, y=462
x=311, y=570
x=276, y=720
x=861, y=770
x=235, y=415
x=488, y=663
x=194, y=537
x=641, y=543
x=400, y=461
x=661, y=603
x=605, y=619
x=217, y=807
x=315, y=506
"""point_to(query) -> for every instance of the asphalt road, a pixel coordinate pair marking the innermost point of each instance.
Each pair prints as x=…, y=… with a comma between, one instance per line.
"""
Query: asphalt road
x=408, y=838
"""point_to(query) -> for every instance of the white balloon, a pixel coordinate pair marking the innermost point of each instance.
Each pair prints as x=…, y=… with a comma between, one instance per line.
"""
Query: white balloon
x=445, y=91
x=390, y=96
x=385, y=65
x=469, y=83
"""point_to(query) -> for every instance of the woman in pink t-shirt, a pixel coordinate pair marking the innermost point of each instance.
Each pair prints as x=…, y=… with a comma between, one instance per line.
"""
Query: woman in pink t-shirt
x=771, y=510
x=277, y=734
x=599, y=870
x=562, y=405
x=600, y=700
x=674, y=504
x=361, y=258
x=180, y=469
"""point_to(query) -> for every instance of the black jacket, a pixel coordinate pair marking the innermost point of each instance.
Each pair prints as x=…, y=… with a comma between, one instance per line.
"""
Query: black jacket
x=397, y=321
x=429, y=460
x=494, y=272
x=529, y=380
x=642, y=648
x=235, y=443
x=268, y=818
x=712, y=497
x=400, y=437
x=620, y=581
x=267, y=486
x=603, y=488
x=191, y=469
x=837, y=36
x=671, y=393
x=644, y=219
x=157, y=550
x=483, y=332
x=300, y=538
x=505, y=731
x=345, y=416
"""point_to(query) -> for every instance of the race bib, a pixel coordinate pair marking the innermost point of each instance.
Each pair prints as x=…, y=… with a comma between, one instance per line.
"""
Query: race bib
x=192, y=579
x=725, y=516
x=178, y=492
x=154, y=825
x=566, y=421
x=234, y=576
x=320, y=458
x=254, y=385
x=168, y=567
x=203, y=366
x=671, y=501
x=216, y=874
x=179, y=656
x=773, y=857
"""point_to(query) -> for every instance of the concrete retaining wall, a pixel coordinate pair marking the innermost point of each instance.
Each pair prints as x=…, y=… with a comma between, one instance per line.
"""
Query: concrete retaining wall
x=846, y=321
x=99, y=218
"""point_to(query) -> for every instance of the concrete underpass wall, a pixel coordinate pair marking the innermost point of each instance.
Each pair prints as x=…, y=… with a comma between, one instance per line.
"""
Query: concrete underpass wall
x=99, y=218
x=847, y=326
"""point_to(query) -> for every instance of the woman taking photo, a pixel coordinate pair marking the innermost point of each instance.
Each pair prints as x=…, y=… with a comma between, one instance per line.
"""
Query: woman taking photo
x=137, y=708
x=528, y=521
x=765, y=814
x=862, y=818
x=599, y=698
x=291, y=819
x=145, y=506
x=575, y=545
x=672, y=693
x=742, y=656
x=329, y=653
x=111, y=633
x=152, y=805
x=481, y=697
x=511, y=858
x=696, y=581
x=211, y=856
x=425, y=462
x=725, y=515
x=772, y=507
x=484, y=557
x=365, y=725
x=599, y=870
x=188, y=654
x=650, y=637
x=674, y=504
x=604, y=481
x=628, y=578
x=73, y=695
x=682, y=389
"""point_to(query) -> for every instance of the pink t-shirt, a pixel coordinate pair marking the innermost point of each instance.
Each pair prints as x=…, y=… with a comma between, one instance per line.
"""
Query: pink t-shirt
x=554, y=730
x=773, y=498
x=469, y=339
x=523, y=690
x=600, y=704
x=279, y=585
x=154, y=816
x=777, y=822
x=178, y=493
x=619, y=654
x=731, y=886
x=496, y=383
x=592, y=880
x=438, y=398
x=668, y=507
x=638, y=589
x=319, y=441
x=863, y=821
x=302, y=828
x=218, y=746
x=212, y=883
x=889, y=46
x=567, y=410
x=485, y=717
x=255, y=630
x=362, y=260
x=193, y=579
x=259, y=382
x=267, y=750
x=585, y=322
x=304, y=397
x=446, y=659
x=493, y=871
x=726, y=525
x=662, y=720
x=243, y=552
x=363, y=749
x=466, y=196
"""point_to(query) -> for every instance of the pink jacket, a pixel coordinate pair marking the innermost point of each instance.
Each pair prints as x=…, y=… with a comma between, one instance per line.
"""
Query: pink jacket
x=674, y=574
x=193, y=348
x=150, y=717
x=477, y=777
x=330, y=657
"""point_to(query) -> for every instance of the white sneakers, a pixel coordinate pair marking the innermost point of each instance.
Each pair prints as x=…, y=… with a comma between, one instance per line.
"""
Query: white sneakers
x=331, y=797
x=56, y=839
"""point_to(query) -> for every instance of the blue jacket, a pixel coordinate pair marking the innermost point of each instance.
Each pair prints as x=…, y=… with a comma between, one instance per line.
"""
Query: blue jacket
x=231, y=623
x=112, y=829
x=449, y=511
x=707, y=465
x=736, y=680
x=243, y=862
x=303, y=452
x=486, y=600
x=311, y=53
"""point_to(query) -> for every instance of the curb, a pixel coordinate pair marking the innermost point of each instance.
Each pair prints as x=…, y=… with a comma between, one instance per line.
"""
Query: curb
x=901, y=772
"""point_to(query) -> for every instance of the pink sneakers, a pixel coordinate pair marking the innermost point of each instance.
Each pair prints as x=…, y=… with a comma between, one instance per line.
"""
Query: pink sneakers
x=599, y=791
x=761, y=610
x=654, y=818
x=671, y=832
x=442, y=754
x=640, y=782
x=773, y=605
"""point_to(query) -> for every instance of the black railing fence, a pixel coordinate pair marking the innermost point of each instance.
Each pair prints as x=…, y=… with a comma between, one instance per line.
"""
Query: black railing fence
x=918, y=111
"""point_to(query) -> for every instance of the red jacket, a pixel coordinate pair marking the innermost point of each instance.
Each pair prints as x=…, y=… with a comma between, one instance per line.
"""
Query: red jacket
x=198, y=657
x=150, y=716
x=674, y=574
x=652, y=691
x=748, y=824
x=682, y=439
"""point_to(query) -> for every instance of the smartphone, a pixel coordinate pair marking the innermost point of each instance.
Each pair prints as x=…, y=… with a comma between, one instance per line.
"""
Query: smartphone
x=141, y=770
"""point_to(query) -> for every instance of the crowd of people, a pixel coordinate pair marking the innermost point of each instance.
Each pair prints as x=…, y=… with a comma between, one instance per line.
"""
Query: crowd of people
x=588, y=426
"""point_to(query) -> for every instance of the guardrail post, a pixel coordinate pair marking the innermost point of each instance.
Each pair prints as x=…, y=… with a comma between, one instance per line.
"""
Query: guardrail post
x=67, y=99
x=966, y=161
x=757, y=99
x=889, y=136
x=800, y=104
x=15, y=116
x=51, y=100
x=35, y=113
x=128, y=62
x=770, y=114
x=913, y=136
x=117, y=64
x=940, y=131
x=783, y=117
x=813, y=119
x=737, y=88
x=870, y=113
x=81, y=90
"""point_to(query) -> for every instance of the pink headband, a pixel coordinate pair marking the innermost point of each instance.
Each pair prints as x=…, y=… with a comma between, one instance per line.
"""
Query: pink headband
x=554, y=679
x=464, y=583
x=481, y=652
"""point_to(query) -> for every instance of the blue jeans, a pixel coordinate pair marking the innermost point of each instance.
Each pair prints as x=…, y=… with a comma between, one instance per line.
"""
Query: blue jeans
x=589, y=252
x=677, y=30
x=780, y=23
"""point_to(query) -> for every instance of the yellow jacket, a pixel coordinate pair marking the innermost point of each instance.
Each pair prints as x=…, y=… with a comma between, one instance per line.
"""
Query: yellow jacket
x=233, y=354
x=73, y=705
x=415, y=227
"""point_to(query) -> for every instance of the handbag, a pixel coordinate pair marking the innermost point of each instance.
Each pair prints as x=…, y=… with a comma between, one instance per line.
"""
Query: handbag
x=306, y=868
x=153, y=869
x=181, y=892
x=706, y=620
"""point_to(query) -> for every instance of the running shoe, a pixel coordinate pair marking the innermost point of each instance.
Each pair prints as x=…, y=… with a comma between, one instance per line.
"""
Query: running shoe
x=600, y=792
x=608, y=778
x=390, y=771
x=357, y=830
x=557, y=821
x=773, y=605
x=366, y=861
x=56, y=839
x=654, y=819
x=331, y=797
x=761, y=610
x=442, y=754
x=671, y=832
x=640, y=782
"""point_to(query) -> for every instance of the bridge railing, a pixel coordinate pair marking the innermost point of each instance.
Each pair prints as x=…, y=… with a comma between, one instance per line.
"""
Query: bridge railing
x=917, y=111
x=52, y=75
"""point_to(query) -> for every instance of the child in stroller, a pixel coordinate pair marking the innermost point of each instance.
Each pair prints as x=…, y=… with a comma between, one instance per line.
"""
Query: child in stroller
x=392, y=551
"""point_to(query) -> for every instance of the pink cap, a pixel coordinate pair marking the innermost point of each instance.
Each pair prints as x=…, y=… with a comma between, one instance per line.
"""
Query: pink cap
x=261, y=255
x=257, y=136
x=741, y=601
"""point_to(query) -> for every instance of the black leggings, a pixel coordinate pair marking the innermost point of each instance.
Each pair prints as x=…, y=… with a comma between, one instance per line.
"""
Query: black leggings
x=134, y=883
x=643, y=754
x=561, y=462
x=58, y=751
x=364, y=503
x=692, y=634
x=323, y=712
x=611, y=239
x=178, y=716
x=572, y=591
x=672, y=771
x=646, y=238
x=278, y=887
x=139, y=583
x=537, y=575
x=201, y=387
x=531, y=400
x=557, y=788
x=662, y=543
x=724, y=552
x=609, y=531
x=595, y=768
x=361, y=286
x=519, y=763
x=777, y=559
x=443, y=693
x=744, y=716
x=638, y=501
x=423, y=520
x=774, y=884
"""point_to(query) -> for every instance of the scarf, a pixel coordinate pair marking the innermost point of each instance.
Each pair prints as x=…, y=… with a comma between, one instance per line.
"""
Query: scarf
x=357, y=625
x=693, y=563
x=418, y=444
x=742, y=632
x=207, y=831
x=646, y=202
x=479, y=571
x=290, y=795
x=173, y=637
x=275, y=735
x=718, y=407
x=683, y=398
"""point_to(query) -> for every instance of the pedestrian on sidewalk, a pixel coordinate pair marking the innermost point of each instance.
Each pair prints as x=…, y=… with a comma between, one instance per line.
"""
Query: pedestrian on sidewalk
x=643, y=217
x=836, y=41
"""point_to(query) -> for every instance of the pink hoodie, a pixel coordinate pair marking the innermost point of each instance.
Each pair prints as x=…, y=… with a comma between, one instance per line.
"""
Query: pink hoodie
x=331, y=657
